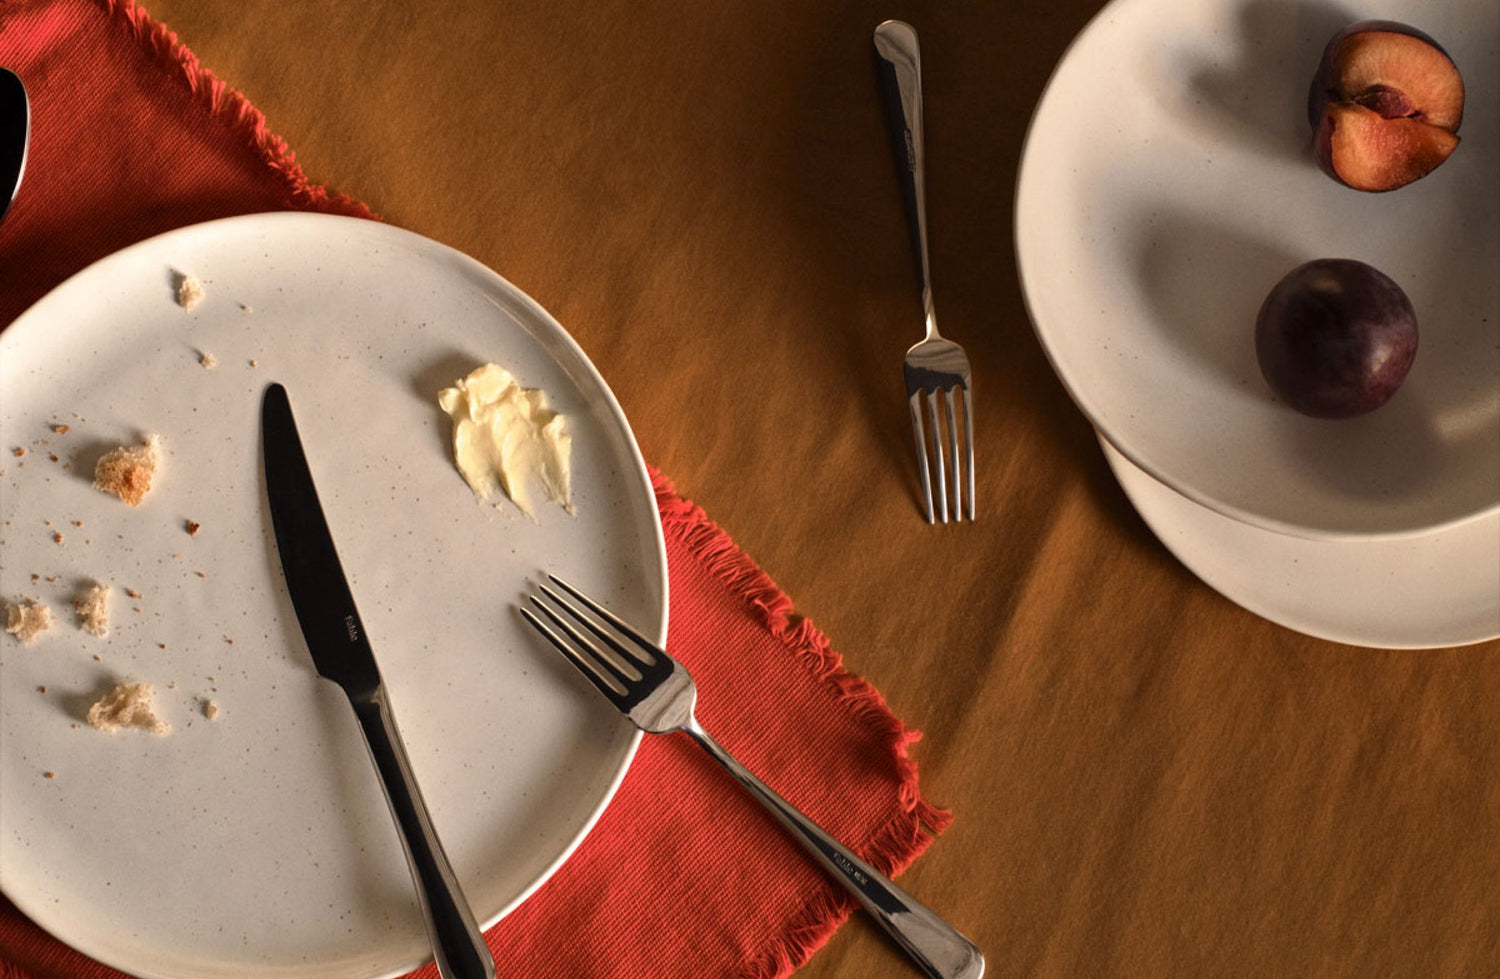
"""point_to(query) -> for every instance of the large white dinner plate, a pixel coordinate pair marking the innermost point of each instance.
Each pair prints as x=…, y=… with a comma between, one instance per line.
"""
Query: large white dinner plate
x=259, y=843
x=1414, y=592
x=1167, y=184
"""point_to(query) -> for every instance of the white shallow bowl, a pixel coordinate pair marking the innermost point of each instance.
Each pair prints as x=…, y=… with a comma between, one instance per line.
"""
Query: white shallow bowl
x=1167, y=184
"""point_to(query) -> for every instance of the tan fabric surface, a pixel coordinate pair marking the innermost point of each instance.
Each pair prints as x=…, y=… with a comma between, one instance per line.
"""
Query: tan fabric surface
x=1147, y=780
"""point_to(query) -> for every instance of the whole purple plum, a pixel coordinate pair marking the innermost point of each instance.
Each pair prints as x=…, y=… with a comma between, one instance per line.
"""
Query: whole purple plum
x=1335, y=338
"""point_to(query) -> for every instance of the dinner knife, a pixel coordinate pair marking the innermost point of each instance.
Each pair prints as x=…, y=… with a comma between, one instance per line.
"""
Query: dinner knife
x=341, y=652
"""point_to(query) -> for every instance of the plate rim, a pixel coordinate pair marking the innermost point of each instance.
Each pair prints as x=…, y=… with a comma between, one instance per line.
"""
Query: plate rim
x=1139, y=483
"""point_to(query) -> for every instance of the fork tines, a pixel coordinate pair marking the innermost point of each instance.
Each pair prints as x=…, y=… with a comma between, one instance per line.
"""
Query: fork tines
x=608, y=652
x=941, y=431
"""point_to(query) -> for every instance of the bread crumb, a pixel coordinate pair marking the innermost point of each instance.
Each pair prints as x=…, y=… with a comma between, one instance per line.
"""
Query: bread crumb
x=127, y=705
x=93, y=611
x=27, y=619
x=49, y=775
x=18, y=451
x=128, y=470
x=57, y=537
x=210, y=709
x=41, y=689
x=192, y=527
x=189, y=290
x=208, y=360
x=60, y=429
x=132, y=593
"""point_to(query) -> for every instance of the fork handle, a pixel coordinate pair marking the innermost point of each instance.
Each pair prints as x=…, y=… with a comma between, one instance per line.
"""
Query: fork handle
x=898, y=61
x=932, y=943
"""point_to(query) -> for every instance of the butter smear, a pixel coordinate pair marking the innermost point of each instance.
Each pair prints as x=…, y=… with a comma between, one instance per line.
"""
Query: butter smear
x=505, y=437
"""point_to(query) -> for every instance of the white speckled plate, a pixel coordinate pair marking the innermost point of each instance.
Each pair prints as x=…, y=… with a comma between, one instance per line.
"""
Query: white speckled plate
x=1414, y=592
x=1167, y=183
x=259, y=843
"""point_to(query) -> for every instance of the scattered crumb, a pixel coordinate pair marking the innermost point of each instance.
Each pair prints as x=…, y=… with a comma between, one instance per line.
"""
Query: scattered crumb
x=127, y=705
x=57, y=537
x=132, y=593
x=52, y=456
x=49, y=775
x=127, y=471
x=35, y=578
x=189, y=290
x=200, y=574
x=77, y=523
x=210, y=709
x=93, y=611
x=254, y=363
x=247, y=308
x=18, y=451
x=60, y=429
x=208, y=360
x=192, y=527
x=42, y=689
x=27, y=619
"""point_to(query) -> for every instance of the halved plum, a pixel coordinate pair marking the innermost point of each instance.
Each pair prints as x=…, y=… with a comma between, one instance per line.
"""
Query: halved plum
x=1385, y=106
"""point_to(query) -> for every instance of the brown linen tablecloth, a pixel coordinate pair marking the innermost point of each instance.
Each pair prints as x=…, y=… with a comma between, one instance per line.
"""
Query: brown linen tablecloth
x=1146, y=779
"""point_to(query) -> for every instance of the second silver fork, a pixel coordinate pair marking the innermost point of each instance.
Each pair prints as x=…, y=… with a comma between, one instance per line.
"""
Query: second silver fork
x=936, y=370
x=654, y=690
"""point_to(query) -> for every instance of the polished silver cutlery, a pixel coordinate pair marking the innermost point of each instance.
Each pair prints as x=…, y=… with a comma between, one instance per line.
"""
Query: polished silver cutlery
x=936, y=370
x=341, y=652
x=15, y=136
x=657, y=694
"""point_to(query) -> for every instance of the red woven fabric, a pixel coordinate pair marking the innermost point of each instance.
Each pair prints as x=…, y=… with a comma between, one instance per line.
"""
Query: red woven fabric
x=131, y=138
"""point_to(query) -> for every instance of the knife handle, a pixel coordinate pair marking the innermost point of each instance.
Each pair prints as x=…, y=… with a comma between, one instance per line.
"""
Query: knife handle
x=458, y=947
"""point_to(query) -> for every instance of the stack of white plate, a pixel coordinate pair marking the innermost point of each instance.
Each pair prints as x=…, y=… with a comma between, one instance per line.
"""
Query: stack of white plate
x=1167, y=184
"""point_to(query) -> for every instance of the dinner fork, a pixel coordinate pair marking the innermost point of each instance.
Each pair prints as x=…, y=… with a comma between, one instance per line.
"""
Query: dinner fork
x=936, y=369
x=657, y=694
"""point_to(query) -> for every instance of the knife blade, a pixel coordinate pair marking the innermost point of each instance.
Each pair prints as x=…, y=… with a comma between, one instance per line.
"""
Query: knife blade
x=341, y=651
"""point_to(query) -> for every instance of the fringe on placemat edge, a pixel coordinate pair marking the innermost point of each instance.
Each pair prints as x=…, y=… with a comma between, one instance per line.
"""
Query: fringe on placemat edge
x=231, y=109
x=913, y=829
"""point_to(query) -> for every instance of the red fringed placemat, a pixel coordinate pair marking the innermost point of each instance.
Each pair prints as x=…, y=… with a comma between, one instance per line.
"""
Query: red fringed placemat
x=132, y=137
